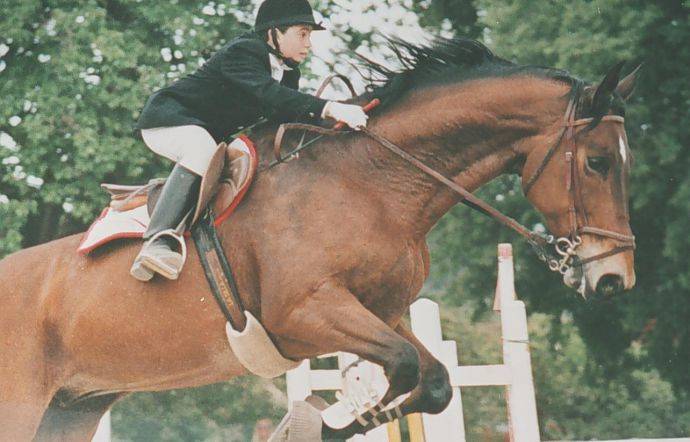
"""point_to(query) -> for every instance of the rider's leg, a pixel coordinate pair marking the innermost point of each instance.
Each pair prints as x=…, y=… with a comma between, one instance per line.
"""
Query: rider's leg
x=159, y=253
x=192, y=148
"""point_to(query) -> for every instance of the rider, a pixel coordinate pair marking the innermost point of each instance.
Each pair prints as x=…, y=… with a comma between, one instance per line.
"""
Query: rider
x=252, y=76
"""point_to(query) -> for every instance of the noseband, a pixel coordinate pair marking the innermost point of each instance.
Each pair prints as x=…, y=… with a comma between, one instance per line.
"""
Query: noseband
x=564, y=257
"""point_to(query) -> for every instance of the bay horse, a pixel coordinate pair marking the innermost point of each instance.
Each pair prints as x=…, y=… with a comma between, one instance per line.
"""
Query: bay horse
x=328, y=250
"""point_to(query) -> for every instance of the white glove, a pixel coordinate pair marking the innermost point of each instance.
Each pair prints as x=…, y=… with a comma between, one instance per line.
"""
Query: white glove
x=350, y=114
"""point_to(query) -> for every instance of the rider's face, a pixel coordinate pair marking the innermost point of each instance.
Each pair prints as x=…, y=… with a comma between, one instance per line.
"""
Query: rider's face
x=295, y=43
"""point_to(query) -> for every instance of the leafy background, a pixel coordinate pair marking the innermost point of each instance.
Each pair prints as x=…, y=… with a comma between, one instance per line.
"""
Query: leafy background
x=75, y=74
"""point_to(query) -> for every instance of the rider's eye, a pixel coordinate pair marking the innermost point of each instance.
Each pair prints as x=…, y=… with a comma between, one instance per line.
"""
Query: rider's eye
x=599, y=165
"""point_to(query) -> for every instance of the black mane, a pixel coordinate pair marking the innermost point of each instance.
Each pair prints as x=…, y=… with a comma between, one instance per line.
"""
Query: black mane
x=445, y=60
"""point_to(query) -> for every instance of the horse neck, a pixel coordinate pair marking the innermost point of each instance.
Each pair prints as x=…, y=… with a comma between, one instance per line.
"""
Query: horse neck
x=471, y=133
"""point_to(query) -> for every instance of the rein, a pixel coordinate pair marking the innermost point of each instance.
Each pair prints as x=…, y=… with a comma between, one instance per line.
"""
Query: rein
x=565, y=258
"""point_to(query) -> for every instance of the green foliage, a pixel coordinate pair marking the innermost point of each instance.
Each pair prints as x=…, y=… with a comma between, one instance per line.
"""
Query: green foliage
x=225, y=411
x=642, y=337
x=76, y=75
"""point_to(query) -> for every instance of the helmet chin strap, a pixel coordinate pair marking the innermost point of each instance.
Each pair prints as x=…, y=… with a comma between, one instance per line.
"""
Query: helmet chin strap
x=275, y=49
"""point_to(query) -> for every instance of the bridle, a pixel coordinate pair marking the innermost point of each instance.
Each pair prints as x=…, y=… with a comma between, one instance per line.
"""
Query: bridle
x=566, y=246
x=564, y=257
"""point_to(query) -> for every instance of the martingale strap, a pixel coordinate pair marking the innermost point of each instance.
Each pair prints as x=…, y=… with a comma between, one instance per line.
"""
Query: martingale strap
x=217, y=270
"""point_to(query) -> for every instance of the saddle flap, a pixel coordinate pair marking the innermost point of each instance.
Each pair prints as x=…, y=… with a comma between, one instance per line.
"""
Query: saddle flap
x=235, y=176
x=210, y=181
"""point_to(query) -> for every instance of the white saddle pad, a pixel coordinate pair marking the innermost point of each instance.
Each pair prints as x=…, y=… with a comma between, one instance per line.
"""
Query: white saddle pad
x=113, y=225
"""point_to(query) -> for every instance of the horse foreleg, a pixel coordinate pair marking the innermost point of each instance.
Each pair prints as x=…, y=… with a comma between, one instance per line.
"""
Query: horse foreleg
x=332, y=319
x=433, y=392
x=431, y=395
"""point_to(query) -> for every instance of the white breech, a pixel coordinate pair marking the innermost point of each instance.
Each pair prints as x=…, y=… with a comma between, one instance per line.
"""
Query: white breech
x=191, y=146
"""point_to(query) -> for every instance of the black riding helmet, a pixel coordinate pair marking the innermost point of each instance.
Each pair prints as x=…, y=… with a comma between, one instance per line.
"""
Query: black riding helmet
x=278, y=13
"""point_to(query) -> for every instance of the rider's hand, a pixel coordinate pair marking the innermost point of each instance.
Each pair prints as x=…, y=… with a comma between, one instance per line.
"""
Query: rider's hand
x=350, y=114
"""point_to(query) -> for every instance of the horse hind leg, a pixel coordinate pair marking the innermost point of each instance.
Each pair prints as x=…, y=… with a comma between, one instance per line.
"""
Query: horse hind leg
x=25, y=391
x=20, y=414
x=76, y=420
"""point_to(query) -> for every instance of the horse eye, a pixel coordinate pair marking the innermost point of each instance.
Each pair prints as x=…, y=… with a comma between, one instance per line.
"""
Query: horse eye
x=600, y=165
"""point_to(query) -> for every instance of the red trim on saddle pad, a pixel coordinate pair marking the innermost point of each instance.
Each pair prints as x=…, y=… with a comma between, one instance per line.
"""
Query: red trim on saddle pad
x=92, y=239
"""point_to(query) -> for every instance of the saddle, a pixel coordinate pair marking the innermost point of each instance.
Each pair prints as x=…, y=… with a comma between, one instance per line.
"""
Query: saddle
x=227, y=179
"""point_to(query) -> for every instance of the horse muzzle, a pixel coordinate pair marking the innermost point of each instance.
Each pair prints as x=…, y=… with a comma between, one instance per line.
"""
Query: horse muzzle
x=603, y=278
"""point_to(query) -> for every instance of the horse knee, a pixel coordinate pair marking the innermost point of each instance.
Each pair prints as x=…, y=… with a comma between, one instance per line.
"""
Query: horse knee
x=437, y=391
x=403, y=369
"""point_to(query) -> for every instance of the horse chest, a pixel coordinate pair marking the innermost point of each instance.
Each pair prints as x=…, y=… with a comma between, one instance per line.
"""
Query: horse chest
x=387, y=287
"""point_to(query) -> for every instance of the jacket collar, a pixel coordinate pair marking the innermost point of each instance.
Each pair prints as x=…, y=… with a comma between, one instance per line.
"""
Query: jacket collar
x=277, y=67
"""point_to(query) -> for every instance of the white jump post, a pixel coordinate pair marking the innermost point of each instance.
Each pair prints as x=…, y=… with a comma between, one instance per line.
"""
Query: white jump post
x=426, y=326
x=103, y=432
x=522, y=404
x=515, y=373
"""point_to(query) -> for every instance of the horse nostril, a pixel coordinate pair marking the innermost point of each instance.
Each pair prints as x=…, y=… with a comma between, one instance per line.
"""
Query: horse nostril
x=609, y=284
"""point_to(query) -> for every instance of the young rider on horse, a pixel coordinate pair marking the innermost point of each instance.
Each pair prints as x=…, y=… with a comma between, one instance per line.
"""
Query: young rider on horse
x=254, y=75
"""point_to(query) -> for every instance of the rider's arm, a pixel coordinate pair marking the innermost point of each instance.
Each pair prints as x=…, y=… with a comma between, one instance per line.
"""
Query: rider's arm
x=244, y=67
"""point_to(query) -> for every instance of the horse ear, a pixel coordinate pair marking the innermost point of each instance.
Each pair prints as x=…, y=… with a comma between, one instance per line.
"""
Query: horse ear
x=627, y=85
x=604, y=93
x=601, y=102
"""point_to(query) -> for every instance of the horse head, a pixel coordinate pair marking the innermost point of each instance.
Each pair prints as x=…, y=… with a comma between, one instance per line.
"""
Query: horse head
x=578, y=179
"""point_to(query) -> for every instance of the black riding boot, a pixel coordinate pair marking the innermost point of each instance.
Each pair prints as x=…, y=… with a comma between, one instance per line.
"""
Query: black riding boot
x=158, y=254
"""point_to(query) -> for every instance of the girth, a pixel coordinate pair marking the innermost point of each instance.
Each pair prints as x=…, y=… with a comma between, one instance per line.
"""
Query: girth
x=217, y=270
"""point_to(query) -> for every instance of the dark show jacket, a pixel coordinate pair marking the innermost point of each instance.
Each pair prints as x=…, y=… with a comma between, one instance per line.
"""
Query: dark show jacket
x=233, y=89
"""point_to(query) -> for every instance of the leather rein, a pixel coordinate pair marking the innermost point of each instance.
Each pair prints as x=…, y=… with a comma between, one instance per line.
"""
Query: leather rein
x=564, y=257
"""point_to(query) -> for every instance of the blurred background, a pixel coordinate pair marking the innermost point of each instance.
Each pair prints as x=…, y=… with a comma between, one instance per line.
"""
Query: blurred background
x=75, y=74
